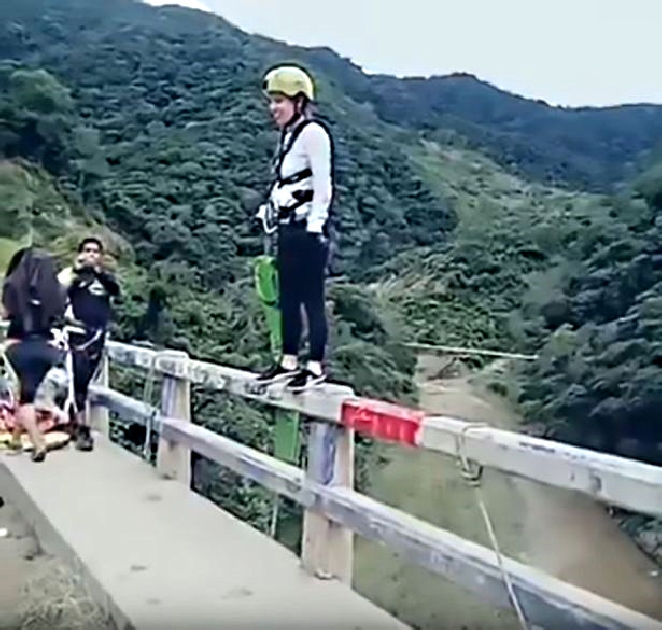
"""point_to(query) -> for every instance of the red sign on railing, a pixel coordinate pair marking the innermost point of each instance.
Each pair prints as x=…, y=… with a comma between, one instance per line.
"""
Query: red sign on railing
x=382, y=420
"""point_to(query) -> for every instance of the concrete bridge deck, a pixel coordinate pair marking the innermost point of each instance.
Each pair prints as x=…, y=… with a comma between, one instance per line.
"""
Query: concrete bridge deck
x=157, y=555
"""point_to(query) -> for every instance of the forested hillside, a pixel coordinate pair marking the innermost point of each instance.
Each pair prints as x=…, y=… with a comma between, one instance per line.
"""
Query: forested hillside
x=578, y=147
x=466, y=215
x=599, y=381
x=183, y=127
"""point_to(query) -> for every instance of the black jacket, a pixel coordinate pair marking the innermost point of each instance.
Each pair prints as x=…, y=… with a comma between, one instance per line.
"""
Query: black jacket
x=90, y=293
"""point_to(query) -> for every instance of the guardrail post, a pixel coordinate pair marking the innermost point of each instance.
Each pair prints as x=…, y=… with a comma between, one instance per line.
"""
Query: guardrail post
x=327, y=548
x=98, y=414
x=173, y=461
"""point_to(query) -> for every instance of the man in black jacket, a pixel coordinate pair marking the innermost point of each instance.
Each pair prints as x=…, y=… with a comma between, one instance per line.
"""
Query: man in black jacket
x=90, y=288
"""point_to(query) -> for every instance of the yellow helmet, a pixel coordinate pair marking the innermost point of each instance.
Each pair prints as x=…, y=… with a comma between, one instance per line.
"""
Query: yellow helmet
x=289, y=80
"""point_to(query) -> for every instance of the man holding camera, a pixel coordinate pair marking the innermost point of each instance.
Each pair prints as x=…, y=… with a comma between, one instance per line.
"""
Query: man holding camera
x=90, y=288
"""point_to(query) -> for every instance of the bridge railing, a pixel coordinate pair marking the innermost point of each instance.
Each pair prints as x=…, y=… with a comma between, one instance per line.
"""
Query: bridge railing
x=334, y=511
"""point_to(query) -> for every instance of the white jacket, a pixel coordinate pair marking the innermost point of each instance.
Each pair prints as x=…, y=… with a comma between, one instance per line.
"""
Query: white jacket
x=311, y=150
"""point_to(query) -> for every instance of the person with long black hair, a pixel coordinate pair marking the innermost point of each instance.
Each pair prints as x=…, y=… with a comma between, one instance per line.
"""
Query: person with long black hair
x=299, y=200
x=33, y=301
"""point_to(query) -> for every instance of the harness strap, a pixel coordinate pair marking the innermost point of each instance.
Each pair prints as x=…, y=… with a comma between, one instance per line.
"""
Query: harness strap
x=301, y=197
x=295, y=178
x=284, y=149
x=98, y=334
x=286, y=214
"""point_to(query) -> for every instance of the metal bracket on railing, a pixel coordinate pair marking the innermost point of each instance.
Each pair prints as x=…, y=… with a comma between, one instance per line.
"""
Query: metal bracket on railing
x=471, y=471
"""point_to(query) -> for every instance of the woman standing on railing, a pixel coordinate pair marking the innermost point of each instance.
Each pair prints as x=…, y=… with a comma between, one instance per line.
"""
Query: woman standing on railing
x=298, y=208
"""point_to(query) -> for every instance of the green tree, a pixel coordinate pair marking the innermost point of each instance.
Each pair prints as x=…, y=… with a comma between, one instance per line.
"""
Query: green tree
x=35, y=118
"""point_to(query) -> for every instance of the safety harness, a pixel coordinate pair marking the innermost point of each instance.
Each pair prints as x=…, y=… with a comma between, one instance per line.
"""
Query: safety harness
x=285, y=213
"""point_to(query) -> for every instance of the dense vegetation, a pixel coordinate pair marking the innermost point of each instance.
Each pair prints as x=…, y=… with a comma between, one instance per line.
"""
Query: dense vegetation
x=573, y=277
x=175, y=97
x=150, y=122
x=599, y=380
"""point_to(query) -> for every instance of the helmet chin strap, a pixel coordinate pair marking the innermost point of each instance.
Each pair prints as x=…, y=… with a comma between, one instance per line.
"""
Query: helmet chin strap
x=298, y=113
x=296, y=116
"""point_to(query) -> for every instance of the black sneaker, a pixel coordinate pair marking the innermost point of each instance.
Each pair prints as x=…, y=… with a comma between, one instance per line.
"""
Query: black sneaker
x=273, y=374
x=39, y=455
x=305, y=379
x=84, y=441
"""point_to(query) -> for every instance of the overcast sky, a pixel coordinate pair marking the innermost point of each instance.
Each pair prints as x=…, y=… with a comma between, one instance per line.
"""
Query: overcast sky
x=567, y=52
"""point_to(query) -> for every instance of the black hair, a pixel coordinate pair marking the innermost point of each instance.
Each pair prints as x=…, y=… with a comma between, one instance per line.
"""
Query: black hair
x=90, y=239
x=15, y=261
x=304, y=108
x=301, y=104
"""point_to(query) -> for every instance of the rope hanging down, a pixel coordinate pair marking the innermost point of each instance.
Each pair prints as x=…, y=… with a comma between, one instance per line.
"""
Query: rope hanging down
x=472, y=472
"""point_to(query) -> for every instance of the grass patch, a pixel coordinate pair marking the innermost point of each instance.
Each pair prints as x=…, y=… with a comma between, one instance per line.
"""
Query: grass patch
x=56, y=599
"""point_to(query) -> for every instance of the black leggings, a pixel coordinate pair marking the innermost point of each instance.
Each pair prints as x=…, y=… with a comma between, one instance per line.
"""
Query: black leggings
x=85, y=364
x=31, y=359
x=302, y=258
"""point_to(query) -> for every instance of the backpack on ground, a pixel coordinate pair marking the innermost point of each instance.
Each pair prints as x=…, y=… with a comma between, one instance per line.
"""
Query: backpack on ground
x=31, y=291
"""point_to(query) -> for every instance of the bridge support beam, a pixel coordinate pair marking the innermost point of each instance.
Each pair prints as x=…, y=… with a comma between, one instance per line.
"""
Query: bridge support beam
x=173, y=460
x=327, y=547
